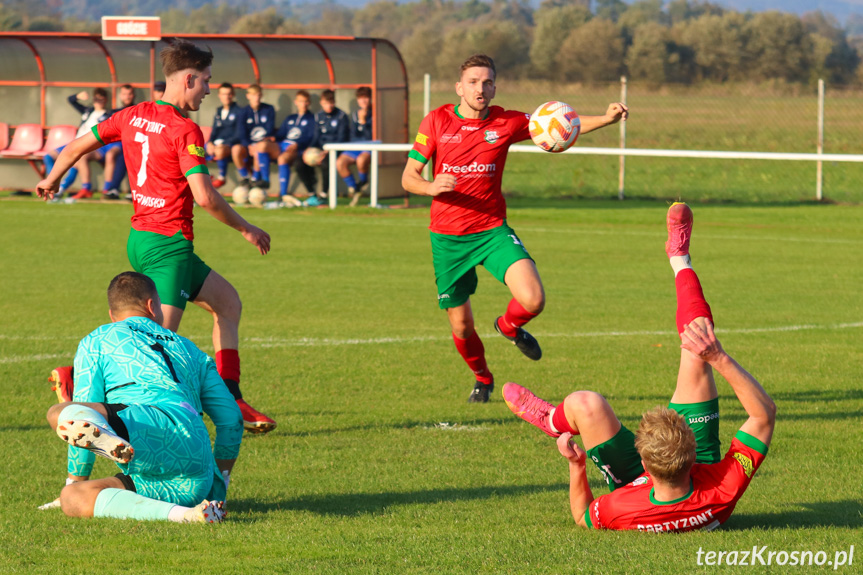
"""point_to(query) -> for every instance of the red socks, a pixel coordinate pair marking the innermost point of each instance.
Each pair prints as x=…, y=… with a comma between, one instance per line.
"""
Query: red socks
x=473, y=352
x=228, y=364
x=559, y=420
x=690, y=299
x=515, y=317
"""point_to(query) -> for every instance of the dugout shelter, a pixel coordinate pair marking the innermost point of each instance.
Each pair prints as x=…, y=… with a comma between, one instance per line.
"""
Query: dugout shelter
x=40, y=70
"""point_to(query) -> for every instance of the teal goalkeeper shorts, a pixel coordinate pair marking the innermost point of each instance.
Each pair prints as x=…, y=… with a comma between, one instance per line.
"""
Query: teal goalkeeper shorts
x=455, y=259
x=173, y=459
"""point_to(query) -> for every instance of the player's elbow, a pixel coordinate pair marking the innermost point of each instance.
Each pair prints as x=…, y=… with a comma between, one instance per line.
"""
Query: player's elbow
x=770, y=411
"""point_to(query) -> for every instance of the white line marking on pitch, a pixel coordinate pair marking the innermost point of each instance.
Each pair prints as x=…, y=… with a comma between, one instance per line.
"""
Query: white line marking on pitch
x=275, y=342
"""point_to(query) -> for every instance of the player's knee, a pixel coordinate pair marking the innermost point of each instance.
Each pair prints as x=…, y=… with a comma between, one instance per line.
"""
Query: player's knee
x=72, y=501
x=585, y=405
x=53, y=414
x=535, y=302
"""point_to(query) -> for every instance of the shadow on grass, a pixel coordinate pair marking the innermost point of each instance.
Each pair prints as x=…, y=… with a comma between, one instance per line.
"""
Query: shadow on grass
x=353, y=504
x=847, y=513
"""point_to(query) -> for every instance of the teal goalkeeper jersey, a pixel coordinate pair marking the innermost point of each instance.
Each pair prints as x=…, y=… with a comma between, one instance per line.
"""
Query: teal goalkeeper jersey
x=137, y=361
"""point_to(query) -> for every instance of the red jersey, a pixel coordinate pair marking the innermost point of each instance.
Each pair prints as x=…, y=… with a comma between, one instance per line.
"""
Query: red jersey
x=161, y=148
x=716, y=488
x=474, y=151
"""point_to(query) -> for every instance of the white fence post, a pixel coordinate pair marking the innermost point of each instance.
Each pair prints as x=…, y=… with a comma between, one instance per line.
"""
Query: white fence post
x=426, y=110
x=622, y=170
x=819, y=168
x=373, y=179
x=332, y=193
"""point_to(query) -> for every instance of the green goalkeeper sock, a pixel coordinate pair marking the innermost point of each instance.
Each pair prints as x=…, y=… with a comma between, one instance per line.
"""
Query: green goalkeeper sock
x=122, y=504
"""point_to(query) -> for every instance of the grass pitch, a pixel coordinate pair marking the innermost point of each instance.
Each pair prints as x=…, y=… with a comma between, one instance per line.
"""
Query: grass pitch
x=378, y=464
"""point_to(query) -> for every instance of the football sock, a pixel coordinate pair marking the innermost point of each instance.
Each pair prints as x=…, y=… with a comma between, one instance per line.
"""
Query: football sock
x=284, y=178
x=122, y=504
x=87, y=186
x=515, y=317
x=559, y=422
x=264, y=163
x=350, y=181
x=119, y=173
x=78, y=412
x=690, y=299
x=228, y=366
x=49, y=163
x=69, y=179
x=362, y=178
x=680, y=263
x=223, y=168
x=244, y=172
x=256, y=175
x=473, y=353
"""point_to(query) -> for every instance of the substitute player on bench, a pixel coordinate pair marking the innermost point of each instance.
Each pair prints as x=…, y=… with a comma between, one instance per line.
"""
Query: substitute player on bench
x=164, y=151
x=669, y=475
x=139, y=395
x=467, y=145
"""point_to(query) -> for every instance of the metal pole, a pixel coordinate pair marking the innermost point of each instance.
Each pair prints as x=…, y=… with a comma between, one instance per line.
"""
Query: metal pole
x=373, y=180
x=622, y=170
x=332, y=193
x=819, y=170
x=426, y=110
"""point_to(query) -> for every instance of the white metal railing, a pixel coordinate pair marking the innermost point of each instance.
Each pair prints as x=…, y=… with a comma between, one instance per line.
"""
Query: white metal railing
x=376, y=148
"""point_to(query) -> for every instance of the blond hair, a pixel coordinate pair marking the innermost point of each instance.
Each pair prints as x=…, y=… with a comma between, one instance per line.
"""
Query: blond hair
x=666, y=444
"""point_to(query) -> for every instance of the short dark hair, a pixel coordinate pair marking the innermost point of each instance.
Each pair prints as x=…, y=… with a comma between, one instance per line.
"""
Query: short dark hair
x=227, y=85
x=126, y=87
x=478, y=61
x=328, y=95
x=130, y=290
x=183, y=55
x=304, y=93
x=100, y=92
x=364, y=91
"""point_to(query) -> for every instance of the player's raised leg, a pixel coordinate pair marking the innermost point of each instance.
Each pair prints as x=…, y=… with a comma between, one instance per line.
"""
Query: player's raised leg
x=219, y=297
x=695, y=396
x=527, y=302
x=85, y=425
x=471, y=349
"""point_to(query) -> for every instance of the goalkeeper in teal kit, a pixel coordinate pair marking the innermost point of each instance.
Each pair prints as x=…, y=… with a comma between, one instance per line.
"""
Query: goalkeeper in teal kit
x=140, y=394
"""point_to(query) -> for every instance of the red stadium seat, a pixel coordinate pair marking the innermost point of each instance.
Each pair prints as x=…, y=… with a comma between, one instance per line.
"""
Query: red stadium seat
x=4, y=135
x=26, y=140
x=57, y=136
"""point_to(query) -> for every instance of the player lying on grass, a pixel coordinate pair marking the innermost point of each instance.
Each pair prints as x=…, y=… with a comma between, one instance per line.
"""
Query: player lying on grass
x=164, y=152
x=139, y=396
x=669, y=475
x=467, y=145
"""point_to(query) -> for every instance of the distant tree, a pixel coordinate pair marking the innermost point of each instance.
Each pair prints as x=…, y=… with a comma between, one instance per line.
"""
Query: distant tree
x=266, y=22
x=10, y=19
x=333, y=22
x=648, y=57
x=381, y=19
x=778, y=47
x=683, y=10
x=546, y=4
x=45, y=24
x=609, y=9
x=553, y=25
x=639, y=13
x=503, y=41
x=420, y=50
x=291, y=26
x=207, y=19
x=717, y=43
x=592, y=53
x=833, y=58
x=471, y=9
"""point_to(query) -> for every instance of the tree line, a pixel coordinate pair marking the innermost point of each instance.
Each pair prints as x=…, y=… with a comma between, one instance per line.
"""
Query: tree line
x=687, y=41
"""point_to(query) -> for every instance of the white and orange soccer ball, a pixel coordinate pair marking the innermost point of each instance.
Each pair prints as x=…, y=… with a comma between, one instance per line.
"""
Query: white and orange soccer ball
x=554, y=126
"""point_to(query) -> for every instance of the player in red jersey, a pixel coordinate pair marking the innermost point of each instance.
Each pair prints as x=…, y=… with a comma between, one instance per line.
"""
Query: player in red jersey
x=467, y=145
x=164, y=152
x=669, y=475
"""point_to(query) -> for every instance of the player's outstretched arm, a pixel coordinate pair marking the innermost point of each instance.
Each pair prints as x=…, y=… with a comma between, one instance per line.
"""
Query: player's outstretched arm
x=580, y=494
x=616, y=112
x=413, y=181
x=758, y=405
x=73, y=152
x=208, y=198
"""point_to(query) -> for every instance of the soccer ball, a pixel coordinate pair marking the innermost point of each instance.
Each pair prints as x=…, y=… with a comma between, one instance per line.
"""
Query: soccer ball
x=240, y=195
x=313, y=157
x=257, y=197
x=554, y=126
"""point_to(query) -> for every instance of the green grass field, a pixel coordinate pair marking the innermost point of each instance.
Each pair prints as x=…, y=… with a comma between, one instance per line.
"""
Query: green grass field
x=378, y=464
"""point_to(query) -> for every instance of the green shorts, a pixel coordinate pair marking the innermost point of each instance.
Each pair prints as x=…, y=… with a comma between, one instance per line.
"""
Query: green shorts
x=173, y=459
x=619, y=461
x=170, y=262
x=456, y=257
